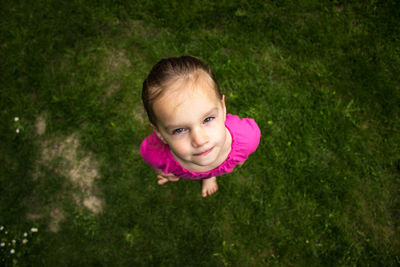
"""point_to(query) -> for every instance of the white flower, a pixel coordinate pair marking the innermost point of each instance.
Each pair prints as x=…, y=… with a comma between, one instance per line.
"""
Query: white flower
x=2, y=244
x=13, y=242
x=24, y=241
x=25, y=234
x=12, y=251
x=1, y=228
x=16, y=119
x=17, y=130
x=34, y=230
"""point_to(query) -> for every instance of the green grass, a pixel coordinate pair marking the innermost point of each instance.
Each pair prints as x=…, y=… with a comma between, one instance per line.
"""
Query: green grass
x=321, y=78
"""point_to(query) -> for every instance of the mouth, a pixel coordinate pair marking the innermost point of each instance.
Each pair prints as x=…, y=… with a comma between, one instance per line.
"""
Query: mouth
x=204, y=153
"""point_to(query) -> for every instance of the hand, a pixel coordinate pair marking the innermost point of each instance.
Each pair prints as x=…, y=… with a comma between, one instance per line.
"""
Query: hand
x=166, y=177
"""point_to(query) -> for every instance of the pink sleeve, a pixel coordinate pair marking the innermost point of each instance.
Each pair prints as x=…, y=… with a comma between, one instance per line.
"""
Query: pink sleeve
x=254, y=135
x=153, y=151
x=246, y=135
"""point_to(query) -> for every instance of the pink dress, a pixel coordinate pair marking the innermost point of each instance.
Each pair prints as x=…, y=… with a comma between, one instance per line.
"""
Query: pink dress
x=245, y=139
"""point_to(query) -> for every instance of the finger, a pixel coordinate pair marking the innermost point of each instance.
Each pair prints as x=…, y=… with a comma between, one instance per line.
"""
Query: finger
x=173, y=179
x=167, y=175
x=161, y=180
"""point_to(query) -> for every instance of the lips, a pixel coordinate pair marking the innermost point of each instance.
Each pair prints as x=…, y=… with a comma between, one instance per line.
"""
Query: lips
x=202, y=154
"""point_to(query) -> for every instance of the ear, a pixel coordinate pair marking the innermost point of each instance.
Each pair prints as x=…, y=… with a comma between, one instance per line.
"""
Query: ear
x=223, y=106
x=158, y=133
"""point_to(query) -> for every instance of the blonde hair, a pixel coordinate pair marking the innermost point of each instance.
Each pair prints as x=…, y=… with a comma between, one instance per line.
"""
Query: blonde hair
x=166, y=71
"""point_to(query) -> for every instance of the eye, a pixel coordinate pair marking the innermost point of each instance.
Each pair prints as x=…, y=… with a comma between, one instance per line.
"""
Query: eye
x=178, y=131
x=208, y=119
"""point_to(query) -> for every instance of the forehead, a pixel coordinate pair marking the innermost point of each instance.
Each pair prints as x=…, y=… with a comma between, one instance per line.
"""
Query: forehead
x=186, y=99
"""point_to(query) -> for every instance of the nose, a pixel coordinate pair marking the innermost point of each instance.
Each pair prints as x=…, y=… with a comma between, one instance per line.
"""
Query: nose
x=199, y=137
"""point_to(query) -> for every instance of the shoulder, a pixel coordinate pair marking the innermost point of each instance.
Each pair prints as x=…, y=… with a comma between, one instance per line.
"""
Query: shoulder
x=245, y=132
x=154, y=151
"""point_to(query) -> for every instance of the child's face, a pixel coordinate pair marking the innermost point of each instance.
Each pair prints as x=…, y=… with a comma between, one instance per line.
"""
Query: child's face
x=192, y=122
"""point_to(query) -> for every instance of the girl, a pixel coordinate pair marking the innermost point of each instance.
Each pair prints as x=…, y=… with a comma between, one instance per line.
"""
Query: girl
x=193, y=136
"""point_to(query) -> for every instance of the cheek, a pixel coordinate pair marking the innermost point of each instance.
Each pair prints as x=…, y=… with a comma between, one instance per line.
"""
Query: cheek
x=222, y=134
x=222, y=128
x=180, y=147
x=218, y=133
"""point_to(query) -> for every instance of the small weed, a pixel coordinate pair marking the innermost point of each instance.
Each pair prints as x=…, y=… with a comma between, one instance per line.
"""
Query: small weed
x=15, y=246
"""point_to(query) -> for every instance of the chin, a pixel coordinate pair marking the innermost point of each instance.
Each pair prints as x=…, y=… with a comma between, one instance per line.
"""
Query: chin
x=206, y=162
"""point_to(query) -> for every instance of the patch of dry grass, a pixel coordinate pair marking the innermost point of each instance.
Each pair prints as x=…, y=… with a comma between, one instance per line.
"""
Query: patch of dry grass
x=64, y=156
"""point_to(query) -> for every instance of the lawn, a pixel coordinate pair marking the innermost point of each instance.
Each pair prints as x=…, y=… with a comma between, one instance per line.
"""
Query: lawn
x=321, y=79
